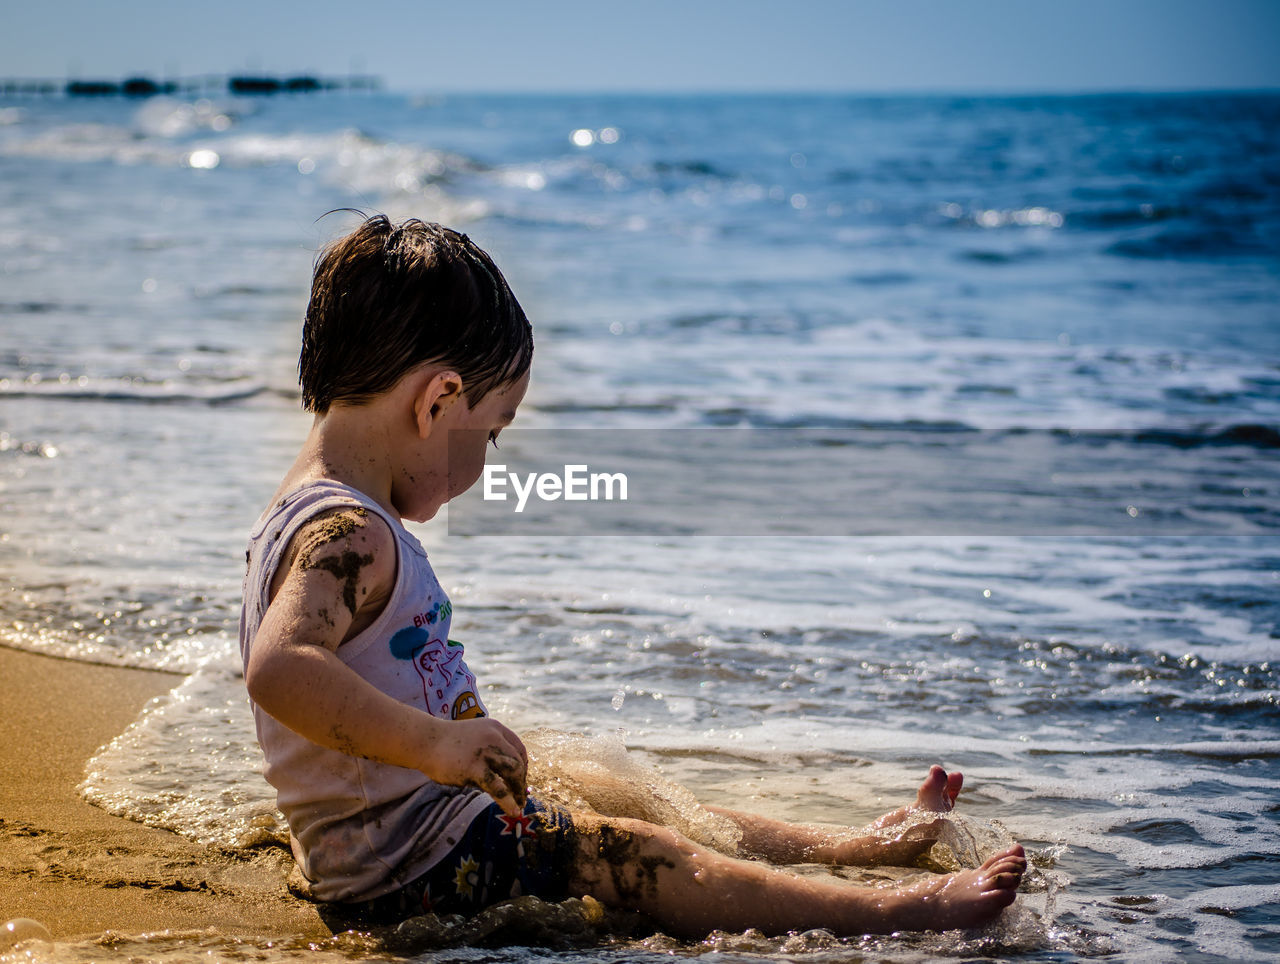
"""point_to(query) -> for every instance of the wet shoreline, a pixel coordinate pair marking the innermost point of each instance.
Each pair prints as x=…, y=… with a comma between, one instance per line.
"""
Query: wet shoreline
x=81, y=871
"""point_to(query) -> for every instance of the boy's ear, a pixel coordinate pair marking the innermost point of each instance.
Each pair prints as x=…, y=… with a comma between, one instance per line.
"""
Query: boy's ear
x=435, y=396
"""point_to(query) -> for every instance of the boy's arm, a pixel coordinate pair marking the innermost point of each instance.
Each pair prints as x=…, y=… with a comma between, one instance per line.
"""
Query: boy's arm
x=340, y=568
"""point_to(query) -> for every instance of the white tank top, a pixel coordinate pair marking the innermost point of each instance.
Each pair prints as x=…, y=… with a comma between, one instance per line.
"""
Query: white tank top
x=361, y=829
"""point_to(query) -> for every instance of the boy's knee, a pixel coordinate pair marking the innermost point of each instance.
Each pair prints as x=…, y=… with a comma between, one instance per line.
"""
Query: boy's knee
x=621, y=860
x=626, y=834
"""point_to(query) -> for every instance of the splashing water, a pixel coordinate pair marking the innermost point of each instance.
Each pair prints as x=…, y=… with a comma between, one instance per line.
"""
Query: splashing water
x=597, y=773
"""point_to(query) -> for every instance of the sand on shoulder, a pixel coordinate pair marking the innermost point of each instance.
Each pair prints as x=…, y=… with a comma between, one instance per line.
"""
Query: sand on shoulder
x=77, y=869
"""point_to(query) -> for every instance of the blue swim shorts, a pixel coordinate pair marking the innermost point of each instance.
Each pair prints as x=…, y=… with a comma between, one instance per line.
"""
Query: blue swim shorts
x=498, y=857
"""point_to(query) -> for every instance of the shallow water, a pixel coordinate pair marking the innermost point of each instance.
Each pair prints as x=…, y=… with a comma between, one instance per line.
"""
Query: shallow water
x=919, y=266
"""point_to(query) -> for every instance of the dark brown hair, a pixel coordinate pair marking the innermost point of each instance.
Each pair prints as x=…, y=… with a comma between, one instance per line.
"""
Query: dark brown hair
x=388, y=297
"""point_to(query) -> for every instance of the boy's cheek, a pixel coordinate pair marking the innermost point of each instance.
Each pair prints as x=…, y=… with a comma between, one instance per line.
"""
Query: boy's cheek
x=462, y=481
x=465, y=468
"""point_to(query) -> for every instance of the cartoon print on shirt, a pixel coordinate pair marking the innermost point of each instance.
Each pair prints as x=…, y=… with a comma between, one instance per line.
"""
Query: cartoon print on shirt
x=437, y=662
x=466, y=707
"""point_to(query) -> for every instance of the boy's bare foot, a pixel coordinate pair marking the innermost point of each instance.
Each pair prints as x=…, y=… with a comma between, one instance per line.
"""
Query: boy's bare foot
x=900, y=850
x=937, y=794
x=962, y=899
x=939, y=791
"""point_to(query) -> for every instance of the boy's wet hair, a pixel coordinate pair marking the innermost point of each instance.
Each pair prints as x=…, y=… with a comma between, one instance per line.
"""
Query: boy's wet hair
x=389, y=297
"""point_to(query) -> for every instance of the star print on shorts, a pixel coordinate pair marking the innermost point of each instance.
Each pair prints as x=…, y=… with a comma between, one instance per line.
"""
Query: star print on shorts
x=498, y=857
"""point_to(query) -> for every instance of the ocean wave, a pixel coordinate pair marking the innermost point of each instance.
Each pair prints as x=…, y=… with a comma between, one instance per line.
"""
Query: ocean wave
x=91, y=143
x=169, y=117
x=1248, y=435
x=1117, y=217
x=877, y=279
x=894, y=373
x=1036, y=216
x=1234, y=190
x=38, y=307
x=132, y=390
x=1244, y=435
x=684, y=168
x=1193, y=243
x=754, y=418
x=210, y=788
x=167, y=628
x=984, y=256
x=355, y=159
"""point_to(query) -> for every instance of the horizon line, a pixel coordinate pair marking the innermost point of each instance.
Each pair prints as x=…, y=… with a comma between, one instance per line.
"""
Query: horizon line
x=976, y=91
x=923, y=91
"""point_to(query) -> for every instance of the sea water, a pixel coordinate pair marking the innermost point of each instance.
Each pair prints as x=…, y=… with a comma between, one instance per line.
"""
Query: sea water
x=945, y=269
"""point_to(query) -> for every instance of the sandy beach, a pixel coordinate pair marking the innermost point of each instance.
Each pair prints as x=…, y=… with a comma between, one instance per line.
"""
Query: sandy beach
x=80, y=871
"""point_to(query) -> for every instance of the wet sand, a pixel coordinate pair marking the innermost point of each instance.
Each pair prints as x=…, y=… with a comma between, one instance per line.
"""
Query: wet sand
x=80, y=871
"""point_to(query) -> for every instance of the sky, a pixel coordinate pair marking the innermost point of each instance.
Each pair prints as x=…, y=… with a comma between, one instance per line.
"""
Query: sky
x=664, y=45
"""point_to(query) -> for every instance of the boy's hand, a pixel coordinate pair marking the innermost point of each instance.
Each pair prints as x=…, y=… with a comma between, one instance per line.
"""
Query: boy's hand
x=482, y=753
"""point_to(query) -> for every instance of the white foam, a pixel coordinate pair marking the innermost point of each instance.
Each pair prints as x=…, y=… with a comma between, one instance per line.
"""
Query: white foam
x=404, y=176
x=190, y=763
x=169, y=117
x=134, y=389
x=1239, y=897
x=894, y=372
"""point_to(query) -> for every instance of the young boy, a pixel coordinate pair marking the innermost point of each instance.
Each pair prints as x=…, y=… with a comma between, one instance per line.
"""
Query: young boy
x=402, y=794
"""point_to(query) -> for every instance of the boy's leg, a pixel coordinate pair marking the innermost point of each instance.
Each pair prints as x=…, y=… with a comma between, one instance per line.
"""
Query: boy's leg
x=790, y=843
x=785, y=843
x=690, y=890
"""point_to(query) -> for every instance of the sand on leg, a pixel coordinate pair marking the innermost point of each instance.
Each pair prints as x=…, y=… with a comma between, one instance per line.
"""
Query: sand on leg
x=690, y=890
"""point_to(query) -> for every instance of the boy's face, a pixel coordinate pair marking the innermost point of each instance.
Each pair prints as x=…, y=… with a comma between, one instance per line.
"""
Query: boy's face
x=462, y=437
